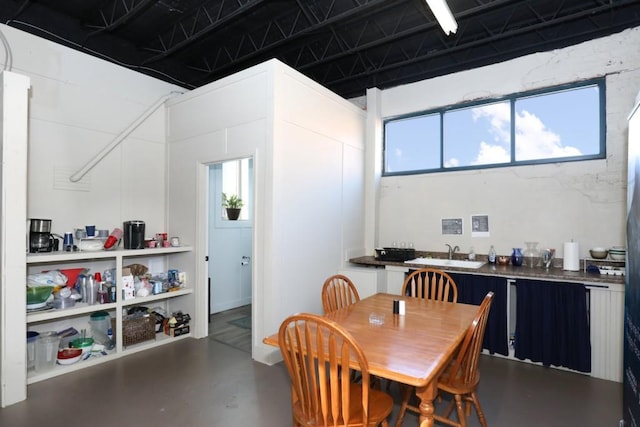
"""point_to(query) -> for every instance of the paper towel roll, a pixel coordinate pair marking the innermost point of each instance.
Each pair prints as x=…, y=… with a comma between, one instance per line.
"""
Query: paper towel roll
x=571, y=260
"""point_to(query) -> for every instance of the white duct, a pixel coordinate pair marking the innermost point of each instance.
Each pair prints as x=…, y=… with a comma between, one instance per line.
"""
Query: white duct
x=118, y=139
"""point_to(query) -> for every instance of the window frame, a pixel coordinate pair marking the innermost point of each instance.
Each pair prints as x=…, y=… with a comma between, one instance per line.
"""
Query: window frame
x=511, y=98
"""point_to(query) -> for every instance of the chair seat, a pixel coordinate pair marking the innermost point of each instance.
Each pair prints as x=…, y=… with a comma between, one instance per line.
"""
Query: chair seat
x=380, y=407
x=458, y=385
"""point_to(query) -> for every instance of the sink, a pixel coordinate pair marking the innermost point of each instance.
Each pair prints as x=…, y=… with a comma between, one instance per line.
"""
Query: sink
x=446, y=262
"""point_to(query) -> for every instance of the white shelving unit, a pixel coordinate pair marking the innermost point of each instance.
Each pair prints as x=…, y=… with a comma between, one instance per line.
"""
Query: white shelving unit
x=53, y=319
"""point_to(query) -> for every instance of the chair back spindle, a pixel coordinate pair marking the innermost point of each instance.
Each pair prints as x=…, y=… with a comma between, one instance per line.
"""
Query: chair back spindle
x=338, y=291
x=430, y=283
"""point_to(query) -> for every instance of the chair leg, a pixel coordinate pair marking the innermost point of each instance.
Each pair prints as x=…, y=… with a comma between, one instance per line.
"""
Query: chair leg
x=462, y=418
x=474, y=398
x=406, y=395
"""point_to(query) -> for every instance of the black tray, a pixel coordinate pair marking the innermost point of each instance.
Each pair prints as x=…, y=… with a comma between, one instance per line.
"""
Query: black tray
x=395, y=254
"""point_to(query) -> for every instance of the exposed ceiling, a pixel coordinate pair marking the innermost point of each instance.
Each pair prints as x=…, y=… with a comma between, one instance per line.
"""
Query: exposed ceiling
x=345, y=45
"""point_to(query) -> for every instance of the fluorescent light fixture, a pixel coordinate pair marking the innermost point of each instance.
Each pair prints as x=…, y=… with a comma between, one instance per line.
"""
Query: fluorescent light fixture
x=443, y=14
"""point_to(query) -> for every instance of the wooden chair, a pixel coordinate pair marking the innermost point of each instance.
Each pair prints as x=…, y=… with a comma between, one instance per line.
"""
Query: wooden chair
x=315, y=349
x=430, y=283
x=461, y=378
x=338, y=291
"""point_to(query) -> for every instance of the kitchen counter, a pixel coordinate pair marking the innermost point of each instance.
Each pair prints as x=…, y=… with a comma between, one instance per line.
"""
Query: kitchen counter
x=507, y=271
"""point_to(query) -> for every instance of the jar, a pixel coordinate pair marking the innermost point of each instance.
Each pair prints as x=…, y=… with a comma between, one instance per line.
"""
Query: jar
x=517, y=257
x=100, y=323
x=531, y=254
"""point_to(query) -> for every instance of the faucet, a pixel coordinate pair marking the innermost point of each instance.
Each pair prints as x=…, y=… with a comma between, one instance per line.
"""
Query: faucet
x=452, y=250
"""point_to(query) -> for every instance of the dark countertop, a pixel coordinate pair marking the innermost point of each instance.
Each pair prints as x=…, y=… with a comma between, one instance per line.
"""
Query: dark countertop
x=508, y=271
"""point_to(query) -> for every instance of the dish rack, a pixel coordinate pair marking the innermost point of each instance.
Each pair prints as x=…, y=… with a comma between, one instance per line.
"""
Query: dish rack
x=604, y=266
x=137, y=330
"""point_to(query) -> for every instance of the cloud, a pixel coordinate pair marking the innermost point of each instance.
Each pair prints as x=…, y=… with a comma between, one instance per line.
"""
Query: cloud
x=534, y=140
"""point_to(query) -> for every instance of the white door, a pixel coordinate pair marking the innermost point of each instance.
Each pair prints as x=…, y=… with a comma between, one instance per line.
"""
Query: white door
x=230, y=242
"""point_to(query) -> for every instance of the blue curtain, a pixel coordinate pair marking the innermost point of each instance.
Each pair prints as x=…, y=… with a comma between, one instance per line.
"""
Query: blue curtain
x=472, y=290
x=552, y=324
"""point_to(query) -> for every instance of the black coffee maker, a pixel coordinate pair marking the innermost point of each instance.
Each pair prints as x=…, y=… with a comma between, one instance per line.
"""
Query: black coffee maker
x=133, y=233
x=40, y=237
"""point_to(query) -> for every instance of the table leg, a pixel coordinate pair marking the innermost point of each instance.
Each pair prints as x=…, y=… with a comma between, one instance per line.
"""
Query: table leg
x=426, y=395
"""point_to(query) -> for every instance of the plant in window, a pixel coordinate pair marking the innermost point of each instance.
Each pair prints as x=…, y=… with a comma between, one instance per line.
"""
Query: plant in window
x=233, y=204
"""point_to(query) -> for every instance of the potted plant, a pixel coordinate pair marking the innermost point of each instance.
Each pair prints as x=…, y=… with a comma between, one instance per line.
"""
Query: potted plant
x=233, y=204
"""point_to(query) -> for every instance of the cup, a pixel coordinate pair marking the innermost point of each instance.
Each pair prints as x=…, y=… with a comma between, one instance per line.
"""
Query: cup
x=166, y=243
x=103, y=233
x=376, y=319
x=175, y=241
x=161, y=237
x=91, y=230
x=46, y=351
x=81, y=233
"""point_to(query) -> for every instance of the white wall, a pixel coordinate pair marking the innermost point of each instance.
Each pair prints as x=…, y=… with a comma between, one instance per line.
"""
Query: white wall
x=304, y=141
x=78, y=104
x=550, y=203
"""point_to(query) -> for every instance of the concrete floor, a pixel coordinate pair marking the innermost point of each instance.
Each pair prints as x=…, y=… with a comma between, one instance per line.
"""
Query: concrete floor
x=207, y=383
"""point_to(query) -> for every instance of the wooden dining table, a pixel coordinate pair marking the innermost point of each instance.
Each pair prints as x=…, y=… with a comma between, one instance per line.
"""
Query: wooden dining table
x=413, y=348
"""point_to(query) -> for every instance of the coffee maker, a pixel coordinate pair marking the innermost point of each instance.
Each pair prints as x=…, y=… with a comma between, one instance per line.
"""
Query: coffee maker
x=133, y=232
x=40, y=237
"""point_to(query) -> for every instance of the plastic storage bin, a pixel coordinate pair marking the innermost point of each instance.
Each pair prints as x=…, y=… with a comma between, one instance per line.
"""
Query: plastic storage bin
x=32, y=336
x=100, y=322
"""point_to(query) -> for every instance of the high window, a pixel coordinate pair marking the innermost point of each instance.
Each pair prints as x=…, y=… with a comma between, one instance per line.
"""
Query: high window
x=557, y=124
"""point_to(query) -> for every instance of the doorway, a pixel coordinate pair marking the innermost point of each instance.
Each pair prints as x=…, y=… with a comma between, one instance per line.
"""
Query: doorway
x=230, y=241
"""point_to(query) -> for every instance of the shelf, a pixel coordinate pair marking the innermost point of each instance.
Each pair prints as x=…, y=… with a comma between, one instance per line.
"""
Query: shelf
x=83, y=308
x=605, y=260
x=609, y=266
x=61, y=256
x=78, y=309
x=115, y=259
x=34, y=377
x=162, y=296
x=161, y=339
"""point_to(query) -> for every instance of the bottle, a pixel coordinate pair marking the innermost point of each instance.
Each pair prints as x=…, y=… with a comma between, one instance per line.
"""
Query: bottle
x=492, y=255
x=112, y=292
x=103, y=294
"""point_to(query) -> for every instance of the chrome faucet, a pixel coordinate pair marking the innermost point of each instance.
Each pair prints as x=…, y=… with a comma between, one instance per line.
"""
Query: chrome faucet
x=452, y=250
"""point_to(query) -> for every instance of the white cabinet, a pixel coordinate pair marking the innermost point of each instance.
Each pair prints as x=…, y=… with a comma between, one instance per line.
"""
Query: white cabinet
x=158, y=259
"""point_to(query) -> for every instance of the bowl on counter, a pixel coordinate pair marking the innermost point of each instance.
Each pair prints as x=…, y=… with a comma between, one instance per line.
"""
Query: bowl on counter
x=617, y=253
x=598, y=253
x=84, y=344
x=68, y=356
x=503, y=259
x=37, y=296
